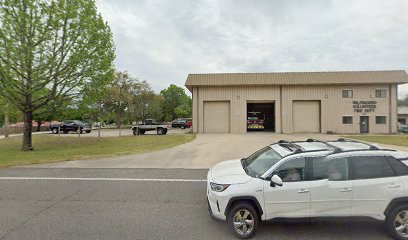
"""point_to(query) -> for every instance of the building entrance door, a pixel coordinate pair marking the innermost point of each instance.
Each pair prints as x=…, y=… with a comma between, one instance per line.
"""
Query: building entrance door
x=364, y=124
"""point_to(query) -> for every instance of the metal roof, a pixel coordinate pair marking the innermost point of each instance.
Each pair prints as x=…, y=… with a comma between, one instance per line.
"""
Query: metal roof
x=296, y=78
x=402, y=110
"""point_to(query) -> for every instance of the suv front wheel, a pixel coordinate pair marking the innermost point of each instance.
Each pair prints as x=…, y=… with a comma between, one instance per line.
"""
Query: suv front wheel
x=397, y=222
x=243, y=220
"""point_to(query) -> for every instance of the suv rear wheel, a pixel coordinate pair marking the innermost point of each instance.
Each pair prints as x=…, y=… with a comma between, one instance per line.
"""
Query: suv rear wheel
x=243, y=220
x=397, y=222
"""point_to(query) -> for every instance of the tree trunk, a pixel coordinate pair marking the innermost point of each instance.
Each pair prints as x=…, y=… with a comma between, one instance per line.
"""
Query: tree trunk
x=6, y=120
x=118, y=120
x=39, y=126
x=27, y=132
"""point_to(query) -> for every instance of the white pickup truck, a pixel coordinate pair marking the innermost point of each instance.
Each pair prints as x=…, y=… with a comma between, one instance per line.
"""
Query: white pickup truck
x=149, y=125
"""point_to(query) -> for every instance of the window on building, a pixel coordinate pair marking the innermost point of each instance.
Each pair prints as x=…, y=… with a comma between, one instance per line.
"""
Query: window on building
x=366, y=167
x=347, y=93
x=380, y=120
x=381, y=93
x=401, y=120
x=347, y=120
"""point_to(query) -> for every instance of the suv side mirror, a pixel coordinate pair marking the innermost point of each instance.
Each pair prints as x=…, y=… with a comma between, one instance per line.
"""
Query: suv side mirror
x=276, y=180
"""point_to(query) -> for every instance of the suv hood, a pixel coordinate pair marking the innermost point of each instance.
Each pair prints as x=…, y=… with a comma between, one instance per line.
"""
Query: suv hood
x=229, y=172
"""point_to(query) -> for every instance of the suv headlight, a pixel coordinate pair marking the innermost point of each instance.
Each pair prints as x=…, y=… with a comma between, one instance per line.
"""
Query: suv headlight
x=218, y=187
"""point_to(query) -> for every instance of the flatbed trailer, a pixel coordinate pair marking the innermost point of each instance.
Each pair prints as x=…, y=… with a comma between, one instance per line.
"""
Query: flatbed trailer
x=149, y=125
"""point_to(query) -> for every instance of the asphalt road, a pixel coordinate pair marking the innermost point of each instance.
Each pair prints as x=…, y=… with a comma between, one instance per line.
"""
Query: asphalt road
x=122, y=204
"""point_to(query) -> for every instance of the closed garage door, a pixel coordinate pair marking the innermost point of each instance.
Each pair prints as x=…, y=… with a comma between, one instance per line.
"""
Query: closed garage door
x=216, y=117
x=306, y=116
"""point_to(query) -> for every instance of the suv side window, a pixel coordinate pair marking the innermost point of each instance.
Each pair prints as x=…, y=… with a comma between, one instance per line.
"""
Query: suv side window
x=399, y=168
x=367, y=167
x=292, y=170
x=319, y=167
x=338, y=169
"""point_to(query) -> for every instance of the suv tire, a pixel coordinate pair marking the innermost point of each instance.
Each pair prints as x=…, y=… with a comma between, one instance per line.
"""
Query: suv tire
x=243, y=220
x=398, y=218
x=54, y=130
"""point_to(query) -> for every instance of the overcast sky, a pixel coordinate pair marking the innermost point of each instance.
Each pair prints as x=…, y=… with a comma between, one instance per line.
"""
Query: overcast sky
x=162, y=41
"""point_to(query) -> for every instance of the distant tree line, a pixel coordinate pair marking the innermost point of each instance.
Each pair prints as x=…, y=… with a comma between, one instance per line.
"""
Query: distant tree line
x=56, y=63
x=125, y=100
x=403, y=102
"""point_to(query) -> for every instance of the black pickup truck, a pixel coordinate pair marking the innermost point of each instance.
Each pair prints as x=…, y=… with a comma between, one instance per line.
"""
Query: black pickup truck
x=71, y=126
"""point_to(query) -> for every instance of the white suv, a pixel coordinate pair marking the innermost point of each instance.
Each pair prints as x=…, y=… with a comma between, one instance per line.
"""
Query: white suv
x=311, y=178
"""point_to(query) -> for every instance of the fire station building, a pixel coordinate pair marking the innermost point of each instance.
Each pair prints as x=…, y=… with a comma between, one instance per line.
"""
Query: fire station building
x=296, y=102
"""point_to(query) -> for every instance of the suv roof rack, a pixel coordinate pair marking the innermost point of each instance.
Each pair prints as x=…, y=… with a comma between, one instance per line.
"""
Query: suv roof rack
x=372, y=147
x=298, y=148
x=335, y=149
x=306, y=151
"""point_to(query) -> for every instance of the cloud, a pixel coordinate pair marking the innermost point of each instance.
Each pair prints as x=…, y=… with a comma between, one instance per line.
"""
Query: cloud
x=163, y=41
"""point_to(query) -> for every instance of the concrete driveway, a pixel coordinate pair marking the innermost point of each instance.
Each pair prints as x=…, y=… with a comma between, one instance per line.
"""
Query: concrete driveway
x=205, y=151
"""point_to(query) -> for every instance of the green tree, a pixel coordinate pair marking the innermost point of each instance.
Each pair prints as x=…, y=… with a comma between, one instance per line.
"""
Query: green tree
x=147, y=104
x=62, y=45
x=403, y=102
x=14, y=114
x=176, y=103
x=121, y=93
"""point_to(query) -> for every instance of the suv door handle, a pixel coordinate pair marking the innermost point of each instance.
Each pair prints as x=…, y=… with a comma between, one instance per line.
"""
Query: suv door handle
x=393, y=185
x=303, y=191
x=346, y=190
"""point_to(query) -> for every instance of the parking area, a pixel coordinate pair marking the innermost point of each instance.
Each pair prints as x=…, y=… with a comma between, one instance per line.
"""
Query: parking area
x=205, y=151
x=116, y=132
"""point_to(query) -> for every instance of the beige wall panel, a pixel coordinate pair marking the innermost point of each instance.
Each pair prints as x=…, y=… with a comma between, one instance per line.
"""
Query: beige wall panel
x=394, y=108
x=238, y=97
x=306, y=116
x=216, y=117
x=195, y=109
x=333, y=107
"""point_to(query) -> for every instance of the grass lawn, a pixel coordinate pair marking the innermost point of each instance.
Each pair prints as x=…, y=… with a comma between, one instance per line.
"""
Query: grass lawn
x=398, y=140
x=50, y=148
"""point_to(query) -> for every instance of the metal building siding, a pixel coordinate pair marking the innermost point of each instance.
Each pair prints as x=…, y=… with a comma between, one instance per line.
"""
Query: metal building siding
x=296, y=78
x=238, y=97
x=334, y=106
x=394, y=108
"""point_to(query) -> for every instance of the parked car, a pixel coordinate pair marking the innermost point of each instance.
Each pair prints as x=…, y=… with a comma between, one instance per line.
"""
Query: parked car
x=186, y=124
x=180, y=122
x=308, y=179
x=71, y=126
x=403, y=128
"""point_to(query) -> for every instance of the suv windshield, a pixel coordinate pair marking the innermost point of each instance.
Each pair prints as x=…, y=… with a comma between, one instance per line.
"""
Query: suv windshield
x=261, y=161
